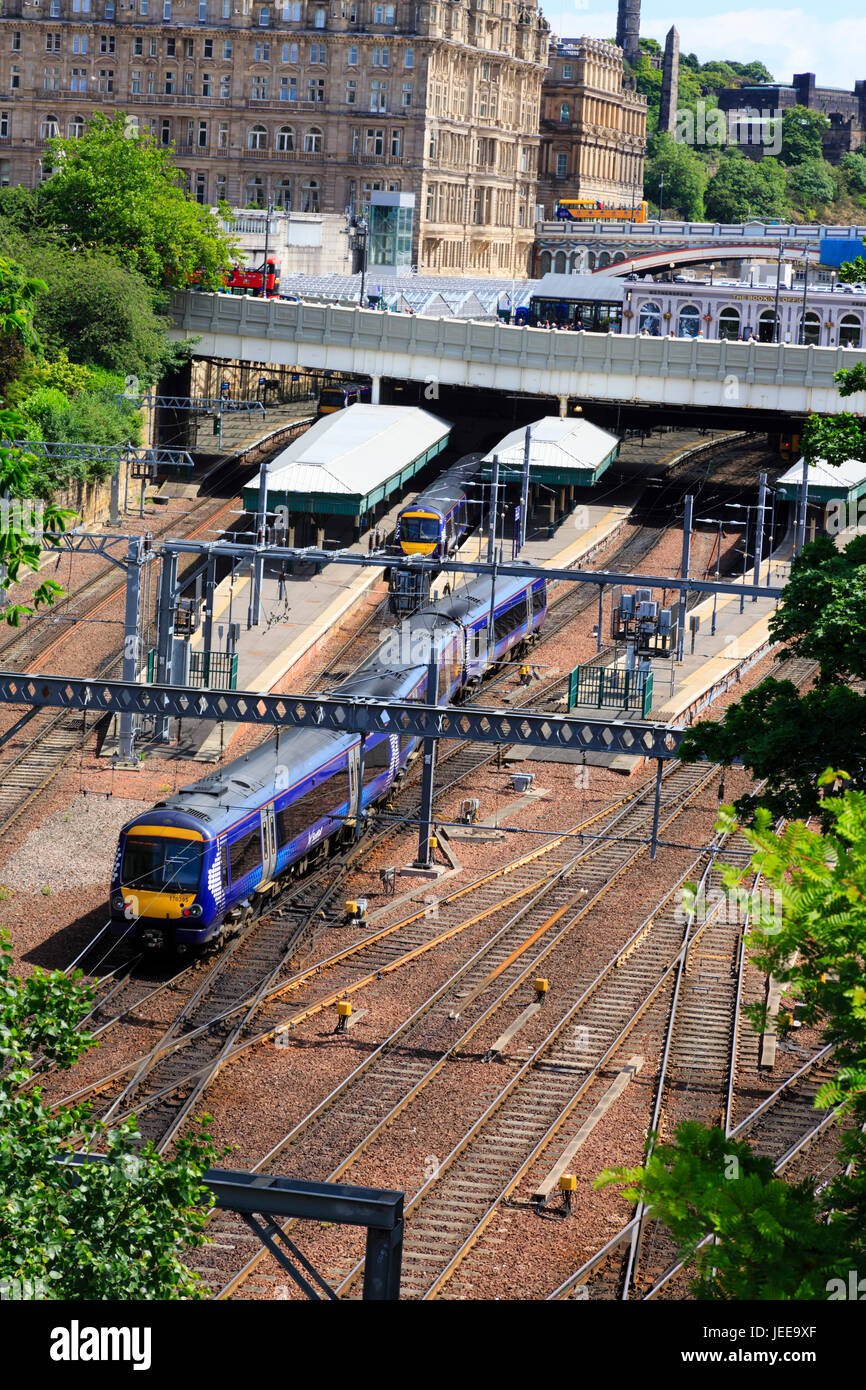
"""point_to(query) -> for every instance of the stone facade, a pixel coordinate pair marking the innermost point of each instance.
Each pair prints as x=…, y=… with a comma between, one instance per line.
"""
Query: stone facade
x=309, y=103
x=846, y=112
x=628, y=29
x=593, y=129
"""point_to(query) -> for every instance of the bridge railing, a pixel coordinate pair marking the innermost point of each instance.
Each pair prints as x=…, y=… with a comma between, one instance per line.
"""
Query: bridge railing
x=724, y=231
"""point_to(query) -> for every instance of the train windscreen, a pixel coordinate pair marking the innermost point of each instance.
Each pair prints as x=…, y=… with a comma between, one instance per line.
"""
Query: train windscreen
x=419, y=528
x=162, y=864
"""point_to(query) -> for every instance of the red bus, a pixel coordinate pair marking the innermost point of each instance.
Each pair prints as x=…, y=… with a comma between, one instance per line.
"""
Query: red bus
x=248, y=280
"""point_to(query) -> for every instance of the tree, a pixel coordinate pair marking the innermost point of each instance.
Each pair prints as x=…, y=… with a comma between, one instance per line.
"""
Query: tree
x=684, y=176
x=119, y=191
x=812, y=183
x=853, y=272
x=105, y=1231
x=853, y=166
x=742, y=189
x=802, y=130
x=823, y=615
x=774, y=1239
x=833, y=438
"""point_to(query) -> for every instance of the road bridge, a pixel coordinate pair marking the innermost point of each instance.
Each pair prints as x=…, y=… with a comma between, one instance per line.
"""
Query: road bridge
x=603, y=367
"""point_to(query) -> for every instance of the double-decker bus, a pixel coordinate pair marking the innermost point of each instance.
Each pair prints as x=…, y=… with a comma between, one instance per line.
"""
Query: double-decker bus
x=248, y=279
x=593, y=210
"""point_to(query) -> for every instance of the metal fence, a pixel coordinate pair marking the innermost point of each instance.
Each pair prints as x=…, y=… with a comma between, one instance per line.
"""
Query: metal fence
x=611, y=688
x=210, y=670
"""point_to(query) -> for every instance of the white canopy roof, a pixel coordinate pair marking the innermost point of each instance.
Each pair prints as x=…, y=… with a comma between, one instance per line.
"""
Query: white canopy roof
x=556, y=443
x=822, y=474
x=354, y=450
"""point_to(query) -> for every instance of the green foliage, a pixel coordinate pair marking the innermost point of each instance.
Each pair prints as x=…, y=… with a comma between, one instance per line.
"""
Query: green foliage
x=119, y=191
x=851, y=379
x=823, y=614
x=103, y=1231
x=93, y=417
x=743, y=189
x=787, y=739
x=852, y=272
x=19, y=208
x=834, y=438
x=802, y=129
x=853, y=166
x=812, y=184
x=770, y=1244
x=684, y=176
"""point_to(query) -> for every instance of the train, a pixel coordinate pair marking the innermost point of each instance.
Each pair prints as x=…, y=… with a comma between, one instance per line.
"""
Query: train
x=345, y=393
x=593, y=210
x=192, y=871
x=439, y=518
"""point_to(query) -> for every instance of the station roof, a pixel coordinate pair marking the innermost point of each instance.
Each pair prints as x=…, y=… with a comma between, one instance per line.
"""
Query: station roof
x=561, y=451
x=827, y=481
x=349, y=460
x=605, y=289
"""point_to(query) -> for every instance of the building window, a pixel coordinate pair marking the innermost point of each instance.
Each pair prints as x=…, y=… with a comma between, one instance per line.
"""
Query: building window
x=317, y=53
x=351, y=92
x=225, y=87
x=257, y=138
x=260, y=89
x=378, y=96
x=4, y=125
x=208, y=48
x=381, y=58
x=54, y=11
x=206, y=84
x=106, y=43
x=689, y=321
x=201, y=188
x=434, y=141
x=171, y=48
x=288, y=89
x=313, y=139
x=202, y=17
x=169, y=84
x=255, y=192
x=310, y=196
x=134, y=81
x=79, y=43
x=153, y=48
x=142, y=6
x=189, y=48
x=51, y=79
x=151, y=83
x=81, y=6
x=290, y=52
x=849, y=330
x=166, y=11
x=649, y=318
x=223, y=135
x=262, y=53
x=396, y=143
x=430, y=201
x=16, y=41
x=283, y=195
x=566, y=70
x=137, y=47
x=352, y=59
x=14, y=78
x=227, y=50
x=319, y=18
x=565, y=111
x=202, y=135
x=75, y=128
x=221, y=188
x=78, y=81
x=356, y=137
x=286, y=138
x=406, y=98
x=292, y=12
x=52, y=43
x=408, y=57
x=561, y=165
x=187, y=84
x=227, y=9
x=374, y=141
x=729, y=323
x=264, y=17
x=316, y=89
x=49, y=128
x=165, y=132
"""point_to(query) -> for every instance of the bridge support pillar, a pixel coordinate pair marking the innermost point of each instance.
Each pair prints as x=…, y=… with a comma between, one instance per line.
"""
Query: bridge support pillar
x=376, y=392
x=563, y=407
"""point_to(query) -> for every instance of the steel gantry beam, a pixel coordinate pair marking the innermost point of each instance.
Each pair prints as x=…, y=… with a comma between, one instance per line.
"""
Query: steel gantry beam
x=104, y=453
x=200, y=404
x=358, y=716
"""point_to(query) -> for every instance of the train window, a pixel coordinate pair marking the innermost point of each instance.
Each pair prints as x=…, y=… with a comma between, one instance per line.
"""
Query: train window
x=224, y=864
x=419, y=528
x=505, y=623
x=245, y=854
x=480, y=640
x=539, y=599
x=296, y=816
x=161, y=864
x=376, y=759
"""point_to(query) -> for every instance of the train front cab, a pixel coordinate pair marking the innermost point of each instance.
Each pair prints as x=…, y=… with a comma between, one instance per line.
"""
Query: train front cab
x=421, y=533
x=159, y=892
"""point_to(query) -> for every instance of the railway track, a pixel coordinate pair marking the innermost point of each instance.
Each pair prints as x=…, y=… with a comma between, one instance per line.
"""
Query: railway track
x=405, y=1063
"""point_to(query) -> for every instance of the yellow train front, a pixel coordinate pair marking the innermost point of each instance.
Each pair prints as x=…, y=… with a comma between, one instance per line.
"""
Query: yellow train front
x=436, y=522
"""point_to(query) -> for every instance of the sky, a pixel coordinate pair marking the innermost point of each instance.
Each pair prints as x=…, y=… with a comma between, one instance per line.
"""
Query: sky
x=812, y=36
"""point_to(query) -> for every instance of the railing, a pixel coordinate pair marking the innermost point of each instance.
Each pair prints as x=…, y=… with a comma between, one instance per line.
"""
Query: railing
x=209, y=670
x=703, y=231
x=606, y=687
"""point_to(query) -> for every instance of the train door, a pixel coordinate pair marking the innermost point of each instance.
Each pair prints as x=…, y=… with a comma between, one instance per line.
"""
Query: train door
x=269, y=844
x=355, y=780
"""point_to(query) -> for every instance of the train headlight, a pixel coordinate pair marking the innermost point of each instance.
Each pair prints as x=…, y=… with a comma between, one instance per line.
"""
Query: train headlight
x=193, y=911
x=118, y=902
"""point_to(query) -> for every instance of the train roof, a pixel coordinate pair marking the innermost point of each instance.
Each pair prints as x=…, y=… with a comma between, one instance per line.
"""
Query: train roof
x=447, y=489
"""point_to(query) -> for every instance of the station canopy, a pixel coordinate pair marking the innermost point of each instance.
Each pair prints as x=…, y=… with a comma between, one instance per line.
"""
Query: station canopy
x=828, y=482
x=606, y=289
x=348, y=461
x=564, y=451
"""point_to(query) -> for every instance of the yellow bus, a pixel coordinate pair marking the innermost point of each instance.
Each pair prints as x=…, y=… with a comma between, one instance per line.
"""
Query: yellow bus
x=592, y=210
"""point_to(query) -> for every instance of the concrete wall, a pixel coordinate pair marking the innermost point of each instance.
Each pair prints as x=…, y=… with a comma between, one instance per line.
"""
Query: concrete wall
x=596, y=366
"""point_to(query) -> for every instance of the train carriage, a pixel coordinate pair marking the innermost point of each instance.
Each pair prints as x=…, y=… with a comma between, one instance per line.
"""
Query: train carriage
x=439, y=518
x=198, y=865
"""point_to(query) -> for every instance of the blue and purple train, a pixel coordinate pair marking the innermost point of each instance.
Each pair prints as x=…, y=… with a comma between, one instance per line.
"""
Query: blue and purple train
x=195, y=867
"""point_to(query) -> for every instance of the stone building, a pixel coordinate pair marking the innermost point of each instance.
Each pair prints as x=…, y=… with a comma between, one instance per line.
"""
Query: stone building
x=593, y=129
x=309, y=104
x=846, y=112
